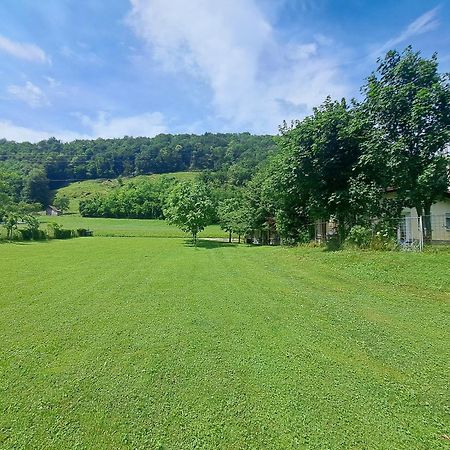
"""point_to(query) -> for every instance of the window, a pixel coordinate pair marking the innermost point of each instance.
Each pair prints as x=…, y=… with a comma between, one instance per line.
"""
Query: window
x=447, y=222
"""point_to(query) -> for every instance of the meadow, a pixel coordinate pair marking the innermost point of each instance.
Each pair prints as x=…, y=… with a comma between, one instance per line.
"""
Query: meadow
x=154, y=344
x=128, y=227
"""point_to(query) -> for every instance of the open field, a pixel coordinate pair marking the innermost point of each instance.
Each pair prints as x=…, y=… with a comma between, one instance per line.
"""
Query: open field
x=150, y=343
x=83, y=189
x=129, y=227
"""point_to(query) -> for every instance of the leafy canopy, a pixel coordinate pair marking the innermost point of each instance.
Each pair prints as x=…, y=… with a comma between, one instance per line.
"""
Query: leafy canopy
x=189, y=206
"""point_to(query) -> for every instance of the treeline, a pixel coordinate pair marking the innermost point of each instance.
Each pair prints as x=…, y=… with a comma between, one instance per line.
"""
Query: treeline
x=340, y=163
x=140, y=199
x=235, y=155
x=356, y=164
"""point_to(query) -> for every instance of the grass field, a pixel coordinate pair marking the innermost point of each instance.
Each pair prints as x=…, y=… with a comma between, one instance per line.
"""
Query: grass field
x=128, y=227
x=111, y=343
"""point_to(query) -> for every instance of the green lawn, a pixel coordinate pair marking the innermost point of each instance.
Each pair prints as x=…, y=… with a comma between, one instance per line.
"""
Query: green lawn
x=111, y=343
x=128, y=227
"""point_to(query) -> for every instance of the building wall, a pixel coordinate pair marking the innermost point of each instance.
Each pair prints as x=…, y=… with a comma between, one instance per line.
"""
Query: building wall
x=440, y=226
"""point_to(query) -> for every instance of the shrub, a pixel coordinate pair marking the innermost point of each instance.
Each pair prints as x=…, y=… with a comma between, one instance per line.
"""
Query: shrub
x=382, y=241
x=83, y=232
x=57, y=232
x=304, y=237
x=333, y=243
x=62, y=233
x=360, y=237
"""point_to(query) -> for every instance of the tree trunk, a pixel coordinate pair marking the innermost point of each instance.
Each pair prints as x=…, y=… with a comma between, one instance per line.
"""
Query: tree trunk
x=323, y=232
x=239, y=239
x=229, y=237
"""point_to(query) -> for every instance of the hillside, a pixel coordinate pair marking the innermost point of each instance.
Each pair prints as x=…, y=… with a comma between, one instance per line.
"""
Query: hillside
x=79, y=190
x=110, y=158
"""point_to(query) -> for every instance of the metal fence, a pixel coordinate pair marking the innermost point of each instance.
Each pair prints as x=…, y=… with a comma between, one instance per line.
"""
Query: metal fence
x=410, y=232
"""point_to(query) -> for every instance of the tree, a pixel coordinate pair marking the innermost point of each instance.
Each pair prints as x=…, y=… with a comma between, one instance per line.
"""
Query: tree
x=36, y=187
x=233, y=217
x=311, y=178
x=10, y=222
x=189, y=207
x=61, y=203
x=408, y=103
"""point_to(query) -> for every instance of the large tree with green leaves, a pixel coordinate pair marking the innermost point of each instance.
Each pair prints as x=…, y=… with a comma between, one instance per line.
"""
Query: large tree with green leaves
x=233, y=216
x=408, y=103
x=314, y=171
x=189, y=206
x=36, y=187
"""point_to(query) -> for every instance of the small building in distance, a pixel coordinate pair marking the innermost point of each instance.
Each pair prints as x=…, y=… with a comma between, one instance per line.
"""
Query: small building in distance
x=53, y=211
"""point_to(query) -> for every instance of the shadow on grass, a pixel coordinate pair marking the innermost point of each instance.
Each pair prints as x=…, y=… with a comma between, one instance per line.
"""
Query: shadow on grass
x=6, y=242
x=208, y=244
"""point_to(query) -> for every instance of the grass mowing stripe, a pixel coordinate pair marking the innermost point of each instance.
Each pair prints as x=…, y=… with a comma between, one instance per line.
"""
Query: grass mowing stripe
x=148, y=343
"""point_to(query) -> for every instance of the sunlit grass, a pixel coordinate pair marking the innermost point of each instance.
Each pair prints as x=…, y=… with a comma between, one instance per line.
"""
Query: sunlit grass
x=151, y=343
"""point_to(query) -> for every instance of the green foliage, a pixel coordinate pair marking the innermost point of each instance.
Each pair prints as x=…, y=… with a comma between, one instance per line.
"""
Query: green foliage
x=36, y=187
x=140, y=199
x=110, y=158
x=107, y=227
x=61, y=202
x=233, y=217
x=339, y=162
x=56, y=231
x=10, y=221
x=83, y=232
x=189, y=206
x=360, y=236
x=408, y=103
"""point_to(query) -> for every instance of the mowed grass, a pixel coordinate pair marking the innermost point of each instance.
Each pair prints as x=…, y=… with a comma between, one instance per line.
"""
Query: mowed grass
x=128, y=227
x=117, y=343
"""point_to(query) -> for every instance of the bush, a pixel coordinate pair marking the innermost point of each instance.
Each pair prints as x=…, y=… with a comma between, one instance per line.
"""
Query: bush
x=303, y=237
x=57, y=232
x=83, y=232
x=333, y=243
x=382, y=241
x=62, y=233
x=28, y=234
x=360, y=237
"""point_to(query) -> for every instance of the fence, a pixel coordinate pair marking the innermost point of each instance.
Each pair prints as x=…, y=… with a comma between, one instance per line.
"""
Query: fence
x=411, y=232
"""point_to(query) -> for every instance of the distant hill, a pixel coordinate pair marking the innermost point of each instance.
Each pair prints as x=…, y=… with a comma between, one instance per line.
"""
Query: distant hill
x=111, y=158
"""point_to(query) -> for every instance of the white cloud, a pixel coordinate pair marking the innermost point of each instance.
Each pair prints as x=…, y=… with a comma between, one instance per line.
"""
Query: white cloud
x=29, y=52
x=303, y=51
x=426, y=22
x=256, y=81
x=29, y=93
x=85, y=56
x=146, y=124
x=12, y=132
x=52, y=82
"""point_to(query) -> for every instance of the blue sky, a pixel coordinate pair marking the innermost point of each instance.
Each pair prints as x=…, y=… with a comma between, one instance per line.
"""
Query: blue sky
x=94, y=68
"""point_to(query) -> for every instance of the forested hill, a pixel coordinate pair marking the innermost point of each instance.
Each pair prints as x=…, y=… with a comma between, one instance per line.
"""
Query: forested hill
x=109, y=158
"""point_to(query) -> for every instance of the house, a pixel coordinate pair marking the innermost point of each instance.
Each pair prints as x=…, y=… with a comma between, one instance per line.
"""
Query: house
x=52, y=211
x=409, y=227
